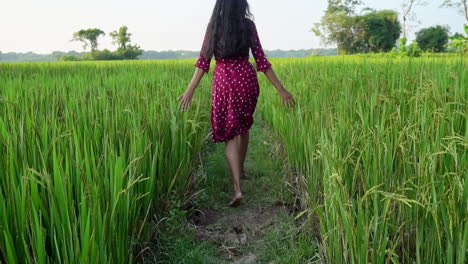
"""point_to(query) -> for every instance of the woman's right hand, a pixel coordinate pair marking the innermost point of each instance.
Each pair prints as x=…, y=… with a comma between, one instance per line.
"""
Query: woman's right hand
x=287, y=98
x=185, y=99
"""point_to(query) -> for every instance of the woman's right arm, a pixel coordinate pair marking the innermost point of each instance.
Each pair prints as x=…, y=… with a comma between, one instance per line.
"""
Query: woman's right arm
x=286, y=96
x=202, y=66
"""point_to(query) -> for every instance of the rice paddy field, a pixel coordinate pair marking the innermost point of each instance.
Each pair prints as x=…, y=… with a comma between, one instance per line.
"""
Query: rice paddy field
x=89, y=152
x=381, y=149
x=93, y=153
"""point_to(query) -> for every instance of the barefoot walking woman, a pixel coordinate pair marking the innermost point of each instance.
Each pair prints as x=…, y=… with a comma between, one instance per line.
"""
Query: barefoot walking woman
x=230, y=35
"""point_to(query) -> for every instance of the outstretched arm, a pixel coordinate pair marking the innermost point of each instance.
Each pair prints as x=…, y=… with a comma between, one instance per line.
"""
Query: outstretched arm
x=202, y=66
x=264, y=65
x=197, y=75
x=286, y=96
x=270, y=74
x=188, y=94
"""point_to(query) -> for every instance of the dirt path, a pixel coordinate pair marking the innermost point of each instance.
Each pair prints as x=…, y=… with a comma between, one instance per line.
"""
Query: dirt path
x=262, y=229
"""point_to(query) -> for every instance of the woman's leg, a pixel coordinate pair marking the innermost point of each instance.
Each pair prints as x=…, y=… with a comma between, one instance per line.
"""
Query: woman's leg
x=234, y=160
x=243, y=145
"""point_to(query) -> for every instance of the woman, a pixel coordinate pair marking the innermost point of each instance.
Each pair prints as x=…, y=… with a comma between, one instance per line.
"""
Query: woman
x=229, y=36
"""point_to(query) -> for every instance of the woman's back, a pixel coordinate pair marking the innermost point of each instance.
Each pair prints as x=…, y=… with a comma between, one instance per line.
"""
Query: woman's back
x=255, y=46
x=229, y=36
x=225, y=50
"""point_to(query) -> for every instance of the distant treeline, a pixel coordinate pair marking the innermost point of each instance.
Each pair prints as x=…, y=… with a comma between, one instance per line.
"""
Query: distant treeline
x=158, y=55
x=31, y=56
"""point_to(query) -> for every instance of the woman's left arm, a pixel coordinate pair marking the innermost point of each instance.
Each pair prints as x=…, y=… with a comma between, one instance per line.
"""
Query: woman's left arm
x=186, y=97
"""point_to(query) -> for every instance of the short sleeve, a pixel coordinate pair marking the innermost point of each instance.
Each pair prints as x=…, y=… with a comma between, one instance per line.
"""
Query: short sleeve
x=203, y=63
x=257, y=51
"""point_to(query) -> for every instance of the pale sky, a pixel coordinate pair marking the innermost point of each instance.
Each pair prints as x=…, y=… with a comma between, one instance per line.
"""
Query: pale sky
x=43, y=26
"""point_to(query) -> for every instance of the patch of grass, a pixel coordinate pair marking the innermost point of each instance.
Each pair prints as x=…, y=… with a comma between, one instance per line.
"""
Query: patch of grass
x=177, y=243
x=286, y=243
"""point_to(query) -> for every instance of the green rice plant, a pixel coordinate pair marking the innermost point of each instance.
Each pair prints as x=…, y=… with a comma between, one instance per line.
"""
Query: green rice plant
x=382, y=145
x=89, y=153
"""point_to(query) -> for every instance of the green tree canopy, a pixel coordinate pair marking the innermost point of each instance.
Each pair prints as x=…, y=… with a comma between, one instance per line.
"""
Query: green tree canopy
x=374, y=31
x=383, y=30
x=345, y=6
x=454, y=36
x=339, y=26
x=433, y=38
x=121, y=37
x=125, y=50
x=88, y=37
x=460, y=42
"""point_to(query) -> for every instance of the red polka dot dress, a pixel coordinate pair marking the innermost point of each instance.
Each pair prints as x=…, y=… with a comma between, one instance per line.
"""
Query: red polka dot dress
x=235, y=90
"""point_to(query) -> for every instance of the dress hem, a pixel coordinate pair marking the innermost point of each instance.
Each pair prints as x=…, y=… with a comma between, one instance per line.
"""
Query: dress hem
x=231, y=136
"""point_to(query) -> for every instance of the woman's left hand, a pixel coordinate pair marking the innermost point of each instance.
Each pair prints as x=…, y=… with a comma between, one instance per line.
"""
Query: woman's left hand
x=186, y=100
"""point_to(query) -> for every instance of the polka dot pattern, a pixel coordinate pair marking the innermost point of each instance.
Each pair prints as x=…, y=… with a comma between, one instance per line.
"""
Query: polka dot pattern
x=235, y=90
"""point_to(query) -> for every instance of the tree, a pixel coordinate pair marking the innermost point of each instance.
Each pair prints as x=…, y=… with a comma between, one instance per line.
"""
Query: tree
x=125, y=50
x=407, y=11
x=456, y=36
x=460, y=42
x=374, y=31
x=70, y=58
x=100, y=55
x=433, y=38
x=339, y=26
x=131, y=52
x=58, y=54
x=88, y=37
x=461, y=5
x=348, y=7
x=383, y=30
x=121, y=37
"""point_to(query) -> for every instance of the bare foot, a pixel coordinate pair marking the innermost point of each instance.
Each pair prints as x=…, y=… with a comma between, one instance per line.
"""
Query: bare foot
x=236, y=200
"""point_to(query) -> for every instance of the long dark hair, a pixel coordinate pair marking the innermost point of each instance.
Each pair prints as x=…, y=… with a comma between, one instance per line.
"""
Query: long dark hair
x=230, y=28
